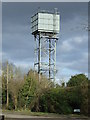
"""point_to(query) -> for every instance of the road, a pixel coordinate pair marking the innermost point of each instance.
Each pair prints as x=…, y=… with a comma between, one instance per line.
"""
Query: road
x=27, y=117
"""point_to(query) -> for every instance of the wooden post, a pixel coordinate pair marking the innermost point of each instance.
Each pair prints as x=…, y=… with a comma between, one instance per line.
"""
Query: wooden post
x=7, y=85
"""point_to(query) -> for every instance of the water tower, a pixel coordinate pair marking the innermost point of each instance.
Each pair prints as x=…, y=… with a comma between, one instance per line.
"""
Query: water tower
x=45, y=28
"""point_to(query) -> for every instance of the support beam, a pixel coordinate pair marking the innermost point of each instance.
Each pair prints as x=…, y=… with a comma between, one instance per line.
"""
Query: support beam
x=45, y=55
x=49, y=59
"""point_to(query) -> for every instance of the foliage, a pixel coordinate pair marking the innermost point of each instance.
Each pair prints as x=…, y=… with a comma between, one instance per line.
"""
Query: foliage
x=89, y=97
x=30, y=92
x=55, y=101
x=66, y=99
x=14, y=84
x=85, y=97
x=77, y=80
x=80, y=84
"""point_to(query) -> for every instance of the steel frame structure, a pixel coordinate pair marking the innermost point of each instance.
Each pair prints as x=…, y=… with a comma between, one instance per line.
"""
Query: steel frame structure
x=45, y=54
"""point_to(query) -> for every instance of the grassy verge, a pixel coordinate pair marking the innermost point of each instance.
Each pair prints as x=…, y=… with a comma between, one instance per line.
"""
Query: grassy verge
x=28, y=112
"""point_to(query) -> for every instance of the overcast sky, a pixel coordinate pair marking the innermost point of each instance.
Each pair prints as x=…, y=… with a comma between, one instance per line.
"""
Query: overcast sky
x=72, y=46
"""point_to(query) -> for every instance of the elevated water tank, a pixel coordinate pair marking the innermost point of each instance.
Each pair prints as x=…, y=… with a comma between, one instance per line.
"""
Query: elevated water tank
x=44, y=21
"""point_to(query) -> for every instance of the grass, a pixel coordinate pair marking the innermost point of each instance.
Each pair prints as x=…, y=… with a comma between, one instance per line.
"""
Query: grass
x=28, y=112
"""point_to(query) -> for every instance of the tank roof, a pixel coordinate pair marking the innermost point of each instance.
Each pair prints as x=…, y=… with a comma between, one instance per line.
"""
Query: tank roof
x=46, y=11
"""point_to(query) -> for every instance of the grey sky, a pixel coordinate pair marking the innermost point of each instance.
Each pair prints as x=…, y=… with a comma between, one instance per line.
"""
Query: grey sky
x=72, y=46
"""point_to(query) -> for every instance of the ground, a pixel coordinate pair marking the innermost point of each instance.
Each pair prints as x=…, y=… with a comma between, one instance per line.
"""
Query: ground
x=24, y=115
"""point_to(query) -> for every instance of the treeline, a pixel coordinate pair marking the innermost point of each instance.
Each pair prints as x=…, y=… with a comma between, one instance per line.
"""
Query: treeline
x=27, y=92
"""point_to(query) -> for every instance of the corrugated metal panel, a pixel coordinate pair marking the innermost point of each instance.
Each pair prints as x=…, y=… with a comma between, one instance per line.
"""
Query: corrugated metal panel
x=46, y=16
x=46, y=27
x=45, y=21
x=40, y=26
x=50, y=21
x=40, y=15
x=50, y=16
x=50, y=27
x=40, y=21
x=57, y=17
